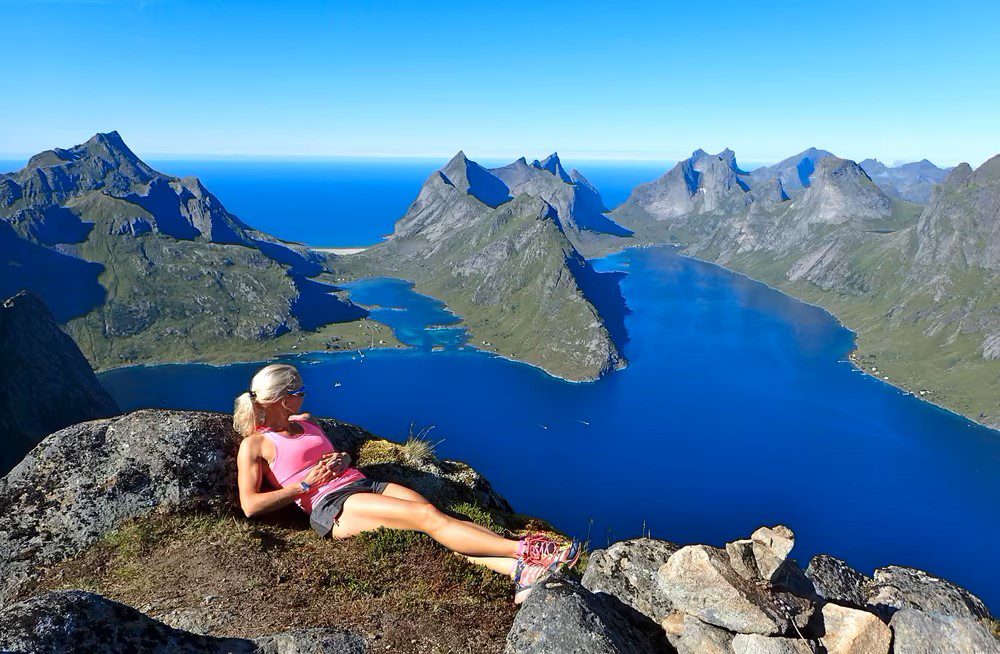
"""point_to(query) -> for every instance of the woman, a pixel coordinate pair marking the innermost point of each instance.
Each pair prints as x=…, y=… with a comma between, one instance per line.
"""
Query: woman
x=280, y=444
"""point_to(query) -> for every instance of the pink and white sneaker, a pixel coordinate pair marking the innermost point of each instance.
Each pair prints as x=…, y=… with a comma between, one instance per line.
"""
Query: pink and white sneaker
x=537, y=549
x=526, y=575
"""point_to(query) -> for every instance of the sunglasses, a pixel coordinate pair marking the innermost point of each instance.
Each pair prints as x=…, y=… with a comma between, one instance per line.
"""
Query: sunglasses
x=298, y=392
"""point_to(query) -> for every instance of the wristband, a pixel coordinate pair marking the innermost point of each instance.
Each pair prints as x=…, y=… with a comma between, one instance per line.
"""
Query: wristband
x=304, y=486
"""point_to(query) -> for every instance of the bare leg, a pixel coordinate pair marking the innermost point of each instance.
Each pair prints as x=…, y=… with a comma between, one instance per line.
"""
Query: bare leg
x=367, y=511
x=404, y=493
x=502, y=564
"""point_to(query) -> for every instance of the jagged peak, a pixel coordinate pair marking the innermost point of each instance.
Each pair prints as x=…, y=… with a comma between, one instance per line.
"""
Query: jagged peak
x=522, y=161
x=553, y=165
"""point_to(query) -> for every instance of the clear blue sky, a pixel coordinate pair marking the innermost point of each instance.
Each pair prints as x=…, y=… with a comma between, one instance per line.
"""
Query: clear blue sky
x=896, y=80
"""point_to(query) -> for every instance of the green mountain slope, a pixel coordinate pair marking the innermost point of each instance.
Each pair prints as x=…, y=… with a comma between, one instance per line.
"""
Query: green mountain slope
x=142, y=267
x=509, y=271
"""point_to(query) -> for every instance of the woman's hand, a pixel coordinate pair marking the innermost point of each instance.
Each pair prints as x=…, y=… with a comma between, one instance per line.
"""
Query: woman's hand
x=338, y=463
x=320, y=473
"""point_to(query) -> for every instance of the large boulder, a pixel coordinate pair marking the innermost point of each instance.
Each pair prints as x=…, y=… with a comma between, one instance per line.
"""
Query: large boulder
x=897, y=587
x=759, y=557
x=86, y=480
x=45, y=381
x=561, y=615
x=628, y=570
x=699, y=580
x=850, y=631
x=757, y=644
x=835, y=581
x=918, y=632
x=689, y=635
x=74, y=621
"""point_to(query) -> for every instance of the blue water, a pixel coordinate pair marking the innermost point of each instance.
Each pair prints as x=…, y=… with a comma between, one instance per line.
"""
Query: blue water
x=738, y=409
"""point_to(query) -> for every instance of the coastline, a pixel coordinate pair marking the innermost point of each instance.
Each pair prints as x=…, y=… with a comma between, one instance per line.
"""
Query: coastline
x=851, y=356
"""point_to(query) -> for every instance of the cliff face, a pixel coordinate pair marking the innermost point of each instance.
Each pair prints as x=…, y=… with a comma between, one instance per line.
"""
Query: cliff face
x=160, y=269
x=510, y=271
x=46, y=381
x=919, y=285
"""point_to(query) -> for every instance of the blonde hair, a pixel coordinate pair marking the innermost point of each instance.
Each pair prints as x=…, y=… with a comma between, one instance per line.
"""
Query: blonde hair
x=267, y=387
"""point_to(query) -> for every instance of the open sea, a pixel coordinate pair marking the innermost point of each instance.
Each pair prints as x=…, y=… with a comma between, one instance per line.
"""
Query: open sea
x=738, y=407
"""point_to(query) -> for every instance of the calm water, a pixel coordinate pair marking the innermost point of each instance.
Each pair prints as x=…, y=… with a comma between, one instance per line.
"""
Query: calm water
x=737, y=410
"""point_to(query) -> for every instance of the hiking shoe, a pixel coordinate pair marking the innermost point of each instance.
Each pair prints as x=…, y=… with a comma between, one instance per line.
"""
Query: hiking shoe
x=537, y=549
x=526, y=575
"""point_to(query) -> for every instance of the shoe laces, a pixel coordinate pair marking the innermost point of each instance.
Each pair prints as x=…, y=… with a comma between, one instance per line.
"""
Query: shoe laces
x=537, y=548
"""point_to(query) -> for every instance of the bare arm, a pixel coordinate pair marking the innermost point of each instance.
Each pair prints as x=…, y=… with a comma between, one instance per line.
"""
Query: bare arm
x=250, y=466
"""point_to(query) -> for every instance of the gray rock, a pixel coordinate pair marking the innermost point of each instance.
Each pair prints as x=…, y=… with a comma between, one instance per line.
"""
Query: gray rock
x=835, y=581
x=689, y=635
x=560, y=615
x=757, y=644
x=313, y=641
x=850, y=631
x=68, y=622
x=759, y=557
x=917, y=632
x=628, y=570
x=897, y=587
x=699, y=580
x=45, y=381
x=84, y=481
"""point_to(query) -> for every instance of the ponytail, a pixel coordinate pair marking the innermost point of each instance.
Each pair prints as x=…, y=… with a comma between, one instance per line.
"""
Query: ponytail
x=245, y=415
x=268, y=386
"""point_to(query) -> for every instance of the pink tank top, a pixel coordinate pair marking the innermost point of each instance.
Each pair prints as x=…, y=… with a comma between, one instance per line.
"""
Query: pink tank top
x=294, y=456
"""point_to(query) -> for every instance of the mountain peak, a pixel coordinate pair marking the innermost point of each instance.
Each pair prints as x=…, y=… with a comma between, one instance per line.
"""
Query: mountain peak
x=552, y=164
x=468, y=176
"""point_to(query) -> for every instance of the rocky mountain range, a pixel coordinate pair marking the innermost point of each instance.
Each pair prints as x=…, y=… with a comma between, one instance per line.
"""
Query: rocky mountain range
x=920, y=285
x=498, y=247
x=910, y=181
x=141, y=266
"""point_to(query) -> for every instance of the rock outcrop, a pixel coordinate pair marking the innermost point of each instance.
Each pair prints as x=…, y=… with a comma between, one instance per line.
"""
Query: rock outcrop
x=560, y=615
x=46, y=381
x=180, y=276
x=749, y=597
x=86, y=480
x=77, y=621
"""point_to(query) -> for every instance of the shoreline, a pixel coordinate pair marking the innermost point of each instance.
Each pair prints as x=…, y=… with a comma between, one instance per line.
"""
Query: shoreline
x=850, y=356
x=340, y=251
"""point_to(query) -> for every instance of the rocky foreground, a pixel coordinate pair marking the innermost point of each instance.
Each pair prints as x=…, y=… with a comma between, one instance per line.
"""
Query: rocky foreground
x=121, y=535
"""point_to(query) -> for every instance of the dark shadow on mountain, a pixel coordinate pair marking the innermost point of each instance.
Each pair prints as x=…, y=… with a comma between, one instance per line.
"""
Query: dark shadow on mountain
x=603, y=290
x=589, y=213
x=486, y=187
x=164, y=204
x=68, y=285
x=285, y=255
x=316, y=306
x=805, y=169
x=58, y=225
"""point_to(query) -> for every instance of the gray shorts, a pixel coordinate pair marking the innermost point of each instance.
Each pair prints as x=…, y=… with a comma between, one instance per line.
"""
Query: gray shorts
x=324, y=515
